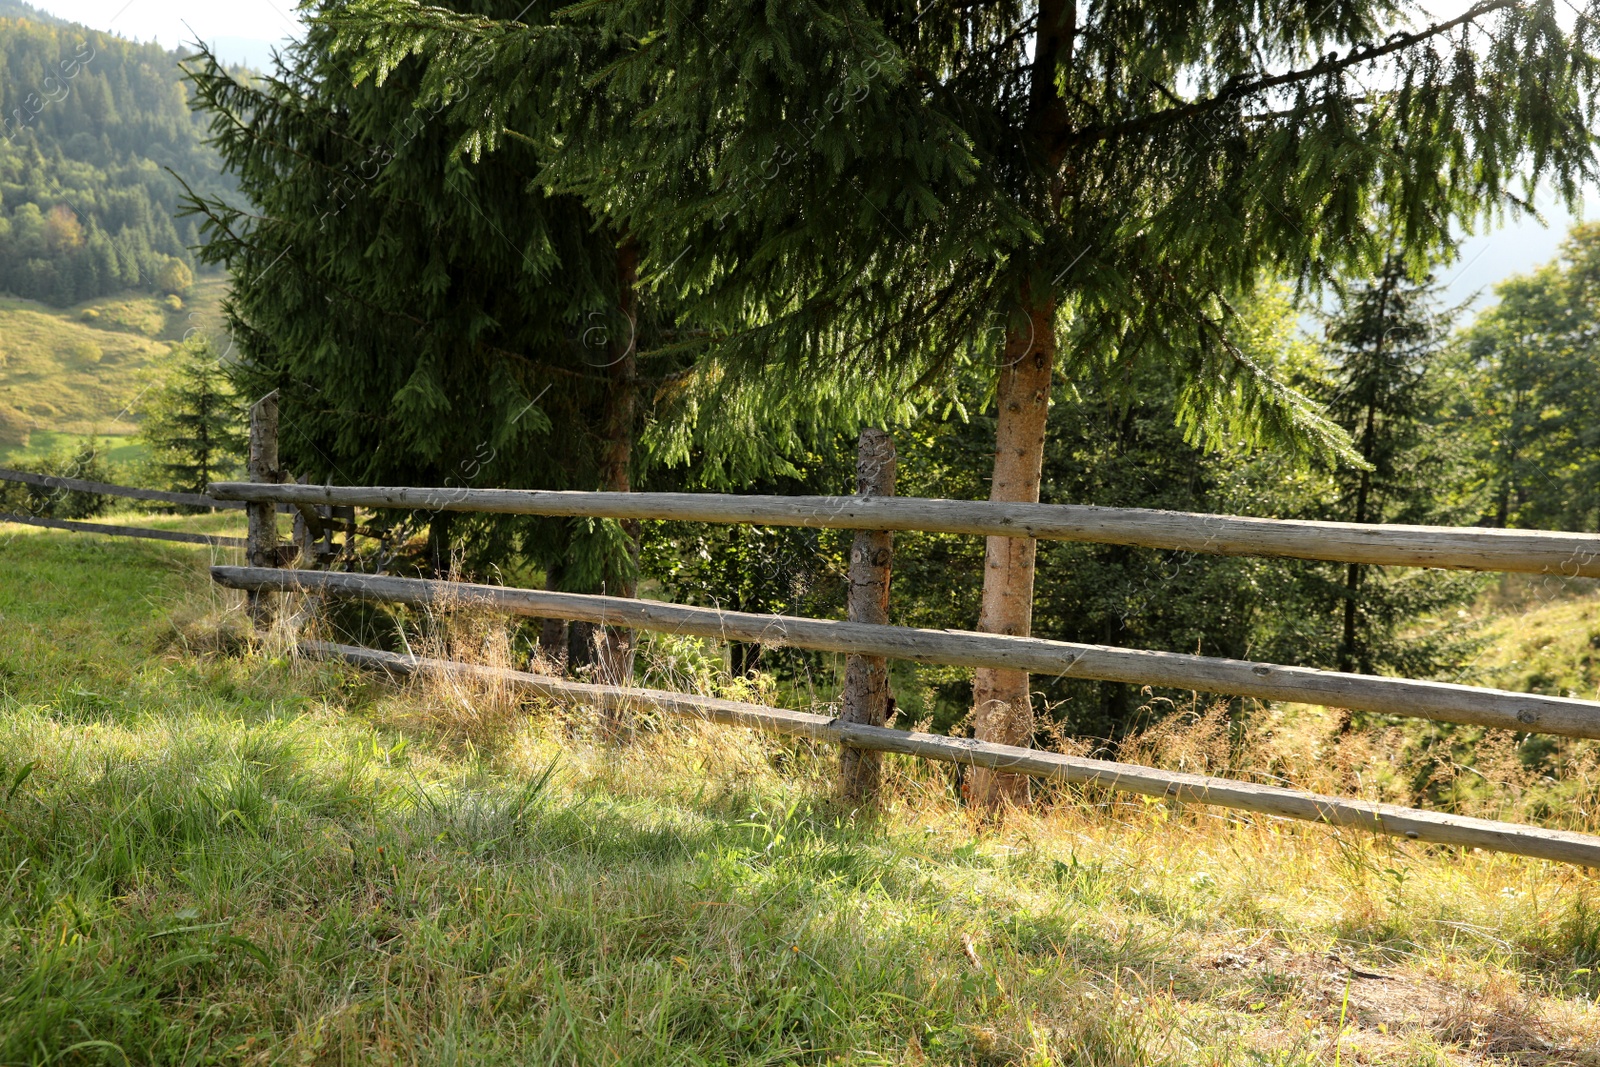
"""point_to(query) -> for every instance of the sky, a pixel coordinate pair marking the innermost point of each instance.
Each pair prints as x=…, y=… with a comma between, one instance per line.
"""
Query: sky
x=242, y=31
x=245, y=31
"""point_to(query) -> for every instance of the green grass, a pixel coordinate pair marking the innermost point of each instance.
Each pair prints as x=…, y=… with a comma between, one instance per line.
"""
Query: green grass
x=215, y=853
x=69, y=372
x=1548, y=641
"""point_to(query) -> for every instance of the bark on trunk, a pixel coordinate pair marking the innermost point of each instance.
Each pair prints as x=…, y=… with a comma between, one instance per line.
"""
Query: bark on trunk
x=743, y=658
x=1349, y=657
x=553, y=632
x=580, y=646
x=866, y=678
x=439, y=544
x=614, y=651
x=1002, y=710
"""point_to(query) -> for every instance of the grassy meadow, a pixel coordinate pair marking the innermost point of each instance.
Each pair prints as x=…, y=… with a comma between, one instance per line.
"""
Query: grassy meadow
x=212, y=851
x=66, y=373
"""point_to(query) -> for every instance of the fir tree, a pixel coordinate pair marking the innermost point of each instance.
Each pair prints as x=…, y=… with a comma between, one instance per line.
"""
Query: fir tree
x=1390, y=390
x=423, y=320
x=901, y=182
x=194, y=423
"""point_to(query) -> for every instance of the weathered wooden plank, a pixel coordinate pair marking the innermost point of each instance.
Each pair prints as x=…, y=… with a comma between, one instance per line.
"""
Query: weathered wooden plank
x=1460, y=548
x=1410, y=823
x=125, y=531
x=1526, y=712
x=50, y=481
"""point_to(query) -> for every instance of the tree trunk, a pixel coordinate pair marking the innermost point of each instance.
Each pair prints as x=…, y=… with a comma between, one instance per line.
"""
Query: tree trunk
x=1348, y=658
x=580, y=646
x=1002, y=710
x=553, y=632
x=743, y=658
x=439, y=544
x=614, y=653
x=866, y=678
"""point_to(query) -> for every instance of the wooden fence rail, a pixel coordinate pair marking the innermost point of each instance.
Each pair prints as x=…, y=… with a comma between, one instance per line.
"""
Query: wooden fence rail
x=868, y=636
x=50, y=481
x=1409, y=823
x=1526, y=712
x=1515, y=551
x=109, y=530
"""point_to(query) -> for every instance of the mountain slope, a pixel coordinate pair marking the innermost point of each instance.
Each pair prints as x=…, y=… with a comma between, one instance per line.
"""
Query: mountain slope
x=95, y=132
x=66, y=373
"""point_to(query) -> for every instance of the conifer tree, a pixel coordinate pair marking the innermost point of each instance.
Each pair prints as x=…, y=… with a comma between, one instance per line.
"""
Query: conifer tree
x=428, y=321
x=1390, y=391
x=896, y=181
x=194, y=423
x=424, y=321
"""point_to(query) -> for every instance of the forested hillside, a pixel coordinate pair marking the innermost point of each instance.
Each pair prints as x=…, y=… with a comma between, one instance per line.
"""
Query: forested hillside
x=92, y=130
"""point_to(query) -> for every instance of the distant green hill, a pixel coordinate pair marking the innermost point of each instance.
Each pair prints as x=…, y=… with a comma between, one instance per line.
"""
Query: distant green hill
x=68, y=372
x=92, y=130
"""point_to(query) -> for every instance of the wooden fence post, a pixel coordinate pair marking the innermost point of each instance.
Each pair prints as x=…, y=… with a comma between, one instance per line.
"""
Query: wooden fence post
x=261, y=539
x=866, y=678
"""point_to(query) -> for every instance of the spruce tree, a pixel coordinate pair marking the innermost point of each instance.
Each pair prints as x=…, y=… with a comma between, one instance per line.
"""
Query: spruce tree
x=1391, y=391
x=902, y=182
x=194, y=423
x=424, y=321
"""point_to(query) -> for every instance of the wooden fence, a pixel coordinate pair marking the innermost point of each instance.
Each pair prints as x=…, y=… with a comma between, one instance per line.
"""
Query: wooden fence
x=1409, y=823
x=79, y=485
x=1478, y=549
x=1517, y=551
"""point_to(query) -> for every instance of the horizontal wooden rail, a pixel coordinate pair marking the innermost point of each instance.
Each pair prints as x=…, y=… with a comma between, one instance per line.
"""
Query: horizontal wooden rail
x=1411, y=823
x=50, y=481
x=1527, y=712
x=109, y=530
x=1522, y=551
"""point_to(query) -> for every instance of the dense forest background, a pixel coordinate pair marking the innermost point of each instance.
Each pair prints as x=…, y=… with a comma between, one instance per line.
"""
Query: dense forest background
x=93, y=129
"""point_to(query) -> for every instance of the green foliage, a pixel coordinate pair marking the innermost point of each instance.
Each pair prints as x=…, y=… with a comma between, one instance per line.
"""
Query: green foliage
x=890, y=183
x=1116, y=443
x=1534, y=393
x=1392, y=388
x=174, y=279
x=490, y=349
x=782, y=570
x=89, y=125
x=478, y=355
x=194, y=423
